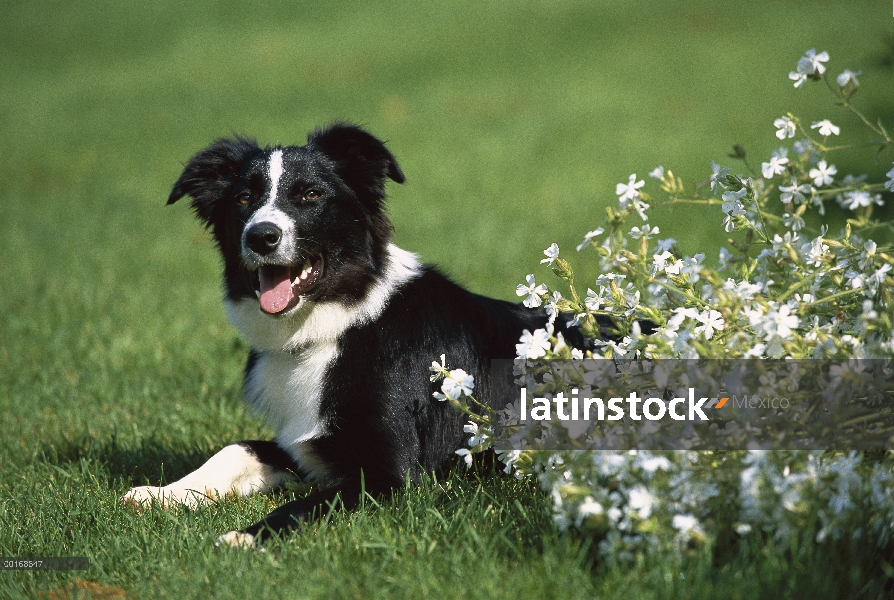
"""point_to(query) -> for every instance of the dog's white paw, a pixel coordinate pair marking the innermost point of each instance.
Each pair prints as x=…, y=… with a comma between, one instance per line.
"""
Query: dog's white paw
x=237, y=539
x=143, y=496
x=168, y=496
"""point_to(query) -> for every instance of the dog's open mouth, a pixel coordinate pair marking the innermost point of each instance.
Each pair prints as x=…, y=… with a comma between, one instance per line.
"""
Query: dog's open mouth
x=280, y=287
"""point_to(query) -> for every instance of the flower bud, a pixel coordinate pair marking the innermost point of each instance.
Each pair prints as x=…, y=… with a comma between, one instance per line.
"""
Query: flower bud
x=563, y=269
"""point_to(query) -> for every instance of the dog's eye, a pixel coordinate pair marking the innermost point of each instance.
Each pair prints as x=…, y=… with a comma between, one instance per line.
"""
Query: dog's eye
x=311, y=195
x=244, y=198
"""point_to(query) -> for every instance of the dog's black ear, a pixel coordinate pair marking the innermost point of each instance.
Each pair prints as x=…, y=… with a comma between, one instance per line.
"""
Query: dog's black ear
x=210, y=172
x=362, y=160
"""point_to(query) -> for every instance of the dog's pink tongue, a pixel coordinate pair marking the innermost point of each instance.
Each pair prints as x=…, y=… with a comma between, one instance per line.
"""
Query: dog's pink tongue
x=276, y=288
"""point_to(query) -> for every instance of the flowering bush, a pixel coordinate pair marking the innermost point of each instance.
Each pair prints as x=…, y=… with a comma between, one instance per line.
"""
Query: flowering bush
x=782, y=290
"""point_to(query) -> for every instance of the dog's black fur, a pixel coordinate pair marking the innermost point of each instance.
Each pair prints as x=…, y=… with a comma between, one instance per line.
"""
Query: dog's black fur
x=371, y=319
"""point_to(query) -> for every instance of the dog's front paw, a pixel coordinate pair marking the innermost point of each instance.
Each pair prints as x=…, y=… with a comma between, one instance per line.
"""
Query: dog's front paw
x=168, y=497
x=237, y=539
x=141, y=497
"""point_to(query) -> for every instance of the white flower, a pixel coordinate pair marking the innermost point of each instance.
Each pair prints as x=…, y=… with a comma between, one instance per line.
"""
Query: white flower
x=619, y=349
x=666, y=262
x=742, y=289
x=674, y=269
x=710, y=320
x=590, y=235
x=659, y=261
x=479, y=436
x=684, y=523
x=508, y=458
x=650, y=463
x=552, y=306
x=641, y=208
x=856, y=279
x=889, y=185
x=848, y=76
x=777, y=163
x=641, y=501
x=865, y=259
x=781, y=322
x=825, y=127
x=877, y=278
x=467, y=456
x=717, y=177
x=780, y=242
x=757, y=351
x=533, y=345
x=552, y=253
x=594, y=300
x=590, y=507
x=664, y=245
x=822, y=174
x=793, y=221
x=437, y=367
x=785, y=127
x=728, y=223
x=533, y=292
x=607, y=278
x=511, y=413
x=812, y=62
x=458, y=383
x=816, y=252
x=732, y=204
x=658, y=173
x=859, y=198
x=798, y=78
x=794, y=192
x=809, y=64
x=629, y=191
x=692, y=266
x=643, y=232
x=680, y=314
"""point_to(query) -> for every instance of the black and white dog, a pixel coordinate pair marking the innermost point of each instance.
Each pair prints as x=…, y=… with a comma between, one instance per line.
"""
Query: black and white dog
x=342, y=326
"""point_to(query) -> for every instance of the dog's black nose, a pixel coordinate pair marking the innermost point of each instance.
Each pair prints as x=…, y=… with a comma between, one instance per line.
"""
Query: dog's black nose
x=263, y=238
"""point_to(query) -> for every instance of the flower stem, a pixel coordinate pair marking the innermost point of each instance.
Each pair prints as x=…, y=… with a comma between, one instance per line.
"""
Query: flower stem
x=834, y=296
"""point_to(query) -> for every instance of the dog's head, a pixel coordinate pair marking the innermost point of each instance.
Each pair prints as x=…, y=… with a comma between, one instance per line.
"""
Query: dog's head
x=295, y=223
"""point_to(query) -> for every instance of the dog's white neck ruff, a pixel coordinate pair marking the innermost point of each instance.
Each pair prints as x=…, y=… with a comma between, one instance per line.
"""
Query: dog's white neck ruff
x=295, y=351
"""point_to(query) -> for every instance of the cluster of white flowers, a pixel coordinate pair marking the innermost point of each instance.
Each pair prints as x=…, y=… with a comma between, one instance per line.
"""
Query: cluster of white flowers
x=779, y=292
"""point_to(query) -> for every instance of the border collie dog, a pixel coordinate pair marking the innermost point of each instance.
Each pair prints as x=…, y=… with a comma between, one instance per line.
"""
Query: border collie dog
x=342, y=326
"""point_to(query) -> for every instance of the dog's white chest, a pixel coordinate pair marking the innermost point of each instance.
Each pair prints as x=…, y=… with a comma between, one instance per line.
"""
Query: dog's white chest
x=287, y=388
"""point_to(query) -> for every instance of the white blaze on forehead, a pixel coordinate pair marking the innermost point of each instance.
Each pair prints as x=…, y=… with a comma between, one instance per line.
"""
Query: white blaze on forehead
x=270, y=214
x=274, y=172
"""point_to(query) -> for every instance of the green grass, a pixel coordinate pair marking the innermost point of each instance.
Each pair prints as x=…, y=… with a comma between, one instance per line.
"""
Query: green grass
x=512, y=122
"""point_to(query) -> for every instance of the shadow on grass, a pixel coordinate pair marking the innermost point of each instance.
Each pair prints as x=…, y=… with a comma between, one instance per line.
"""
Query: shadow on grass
x=152, y=462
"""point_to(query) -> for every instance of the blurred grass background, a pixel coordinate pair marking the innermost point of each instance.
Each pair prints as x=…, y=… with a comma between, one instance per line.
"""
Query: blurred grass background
x=513, y=122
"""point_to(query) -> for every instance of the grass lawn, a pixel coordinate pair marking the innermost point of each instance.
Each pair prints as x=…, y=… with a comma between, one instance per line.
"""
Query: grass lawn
x=513, y=123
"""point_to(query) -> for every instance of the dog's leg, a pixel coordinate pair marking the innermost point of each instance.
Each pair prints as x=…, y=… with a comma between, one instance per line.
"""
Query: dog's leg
x=292, y=515
x=287, y=517
x=242, y=468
